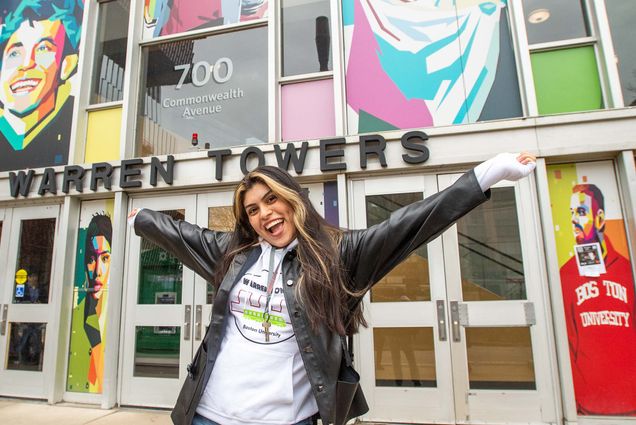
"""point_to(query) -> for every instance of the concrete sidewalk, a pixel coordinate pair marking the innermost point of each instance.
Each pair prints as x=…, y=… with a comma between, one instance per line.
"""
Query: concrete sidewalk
x=27, y=412
x=32, y=412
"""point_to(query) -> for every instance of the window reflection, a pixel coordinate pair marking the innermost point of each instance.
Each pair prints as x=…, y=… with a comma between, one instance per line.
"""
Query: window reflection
x=500, y=358
x=26, y=346
x=409, y=280
x=165, y=17
x=214, y=87
x=490, y=250
x=622, y=15
x=548, y=20
x=157, y=351
x=404, y=357
x=33, y=268
x=220, y=219
x=160, y=273
x=110, y=52
x=306, y=36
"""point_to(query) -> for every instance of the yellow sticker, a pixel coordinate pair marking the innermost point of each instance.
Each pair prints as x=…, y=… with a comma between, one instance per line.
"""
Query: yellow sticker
x=20, y=276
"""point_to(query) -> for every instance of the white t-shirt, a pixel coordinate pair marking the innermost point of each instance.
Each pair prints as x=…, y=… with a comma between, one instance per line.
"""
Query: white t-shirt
x=255, y=381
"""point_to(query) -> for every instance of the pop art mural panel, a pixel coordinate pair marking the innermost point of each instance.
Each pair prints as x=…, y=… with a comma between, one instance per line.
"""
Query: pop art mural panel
x=597, y=285
x=165, y=17
x=90, y=298
x=39, y=40
x=428, y=63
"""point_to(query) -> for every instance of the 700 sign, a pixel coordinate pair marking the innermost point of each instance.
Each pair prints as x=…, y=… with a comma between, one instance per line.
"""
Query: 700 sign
x=215, y=71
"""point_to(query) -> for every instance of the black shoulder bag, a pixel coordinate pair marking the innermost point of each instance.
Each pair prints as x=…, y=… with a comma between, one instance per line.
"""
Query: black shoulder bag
x=184, y=408
x=350, y=401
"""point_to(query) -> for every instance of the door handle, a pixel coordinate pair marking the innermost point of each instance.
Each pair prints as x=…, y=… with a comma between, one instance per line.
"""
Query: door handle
x=441, y=320
x=198, y=316
x=454, y=313
x=3, y=323
x=187, y=325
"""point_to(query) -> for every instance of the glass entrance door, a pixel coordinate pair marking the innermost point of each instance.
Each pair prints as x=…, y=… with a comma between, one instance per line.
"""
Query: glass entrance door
x=496, y=291
x=27, y=260
x=403, y=355
x=158, y=313
x=168, y=306
x=475, y=349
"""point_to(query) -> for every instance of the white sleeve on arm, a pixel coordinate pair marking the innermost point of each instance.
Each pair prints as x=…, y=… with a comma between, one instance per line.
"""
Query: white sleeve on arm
x=131, y=219
x=501, y=167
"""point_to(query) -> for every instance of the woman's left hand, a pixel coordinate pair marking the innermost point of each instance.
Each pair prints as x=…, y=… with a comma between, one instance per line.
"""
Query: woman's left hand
x=519, y=167
x=505, y=166
x=526, y=158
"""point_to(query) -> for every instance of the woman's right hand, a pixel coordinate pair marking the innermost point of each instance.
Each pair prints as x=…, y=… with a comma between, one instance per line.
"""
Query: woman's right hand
x=132, y=216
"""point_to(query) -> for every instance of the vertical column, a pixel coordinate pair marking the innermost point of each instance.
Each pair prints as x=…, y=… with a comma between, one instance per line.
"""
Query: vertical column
x=627, y=184
x=61, y=298
x=113, y=331
x=567, y=405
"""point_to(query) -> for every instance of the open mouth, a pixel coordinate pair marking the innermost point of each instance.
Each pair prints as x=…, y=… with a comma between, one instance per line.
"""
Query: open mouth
x=275, y=227
x=24, y=86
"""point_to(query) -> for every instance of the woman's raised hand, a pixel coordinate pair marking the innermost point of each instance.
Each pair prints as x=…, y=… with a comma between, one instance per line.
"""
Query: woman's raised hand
x=505, y=166
x=132, y=215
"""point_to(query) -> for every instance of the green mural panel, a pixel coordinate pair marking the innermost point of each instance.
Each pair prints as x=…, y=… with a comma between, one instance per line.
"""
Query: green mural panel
x=566, y=80
x=368, y=123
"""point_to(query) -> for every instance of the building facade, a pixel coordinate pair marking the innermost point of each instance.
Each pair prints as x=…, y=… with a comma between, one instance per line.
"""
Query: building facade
x=523, y=312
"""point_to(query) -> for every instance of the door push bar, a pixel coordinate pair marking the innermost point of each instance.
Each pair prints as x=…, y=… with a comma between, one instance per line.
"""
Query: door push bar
x=198, y=313
x=3, y=323
x=187, y=323
x=455, y=324
x=441, y=320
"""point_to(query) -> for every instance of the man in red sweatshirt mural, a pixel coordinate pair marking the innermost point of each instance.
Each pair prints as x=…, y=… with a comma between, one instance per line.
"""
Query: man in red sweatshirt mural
x=598, y=293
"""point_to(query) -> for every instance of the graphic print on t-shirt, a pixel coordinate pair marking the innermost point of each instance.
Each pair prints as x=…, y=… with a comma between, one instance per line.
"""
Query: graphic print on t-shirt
x=248, y=304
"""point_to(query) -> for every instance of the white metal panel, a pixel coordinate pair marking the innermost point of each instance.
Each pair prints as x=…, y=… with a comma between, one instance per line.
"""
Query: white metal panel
x=498, y=313
x=522, y=407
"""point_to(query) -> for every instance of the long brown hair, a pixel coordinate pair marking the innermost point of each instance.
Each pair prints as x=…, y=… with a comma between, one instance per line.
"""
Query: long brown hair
x=322, y=288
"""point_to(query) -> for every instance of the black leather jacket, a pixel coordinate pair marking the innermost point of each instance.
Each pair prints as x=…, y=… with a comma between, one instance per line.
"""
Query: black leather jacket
x=367, y=255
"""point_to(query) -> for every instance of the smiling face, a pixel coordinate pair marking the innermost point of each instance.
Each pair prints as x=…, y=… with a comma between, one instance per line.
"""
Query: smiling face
x=31, y=64
x=98, y=265
x=270, y=217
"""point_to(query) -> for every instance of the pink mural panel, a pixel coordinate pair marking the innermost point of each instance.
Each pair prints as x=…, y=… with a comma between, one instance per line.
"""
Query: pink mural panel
x=308, y=110
x=165, y=17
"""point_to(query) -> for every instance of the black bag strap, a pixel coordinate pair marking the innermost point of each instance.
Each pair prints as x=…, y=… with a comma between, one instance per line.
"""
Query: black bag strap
x=191, y=368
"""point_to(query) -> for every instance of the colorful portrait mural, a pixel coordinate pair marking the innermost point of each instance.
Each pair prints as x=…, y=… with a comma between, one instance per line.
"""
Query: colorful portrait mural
x=90, y=298
x=428, y=63
x=165, y=17
x=39, y=40
x=597, y=285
